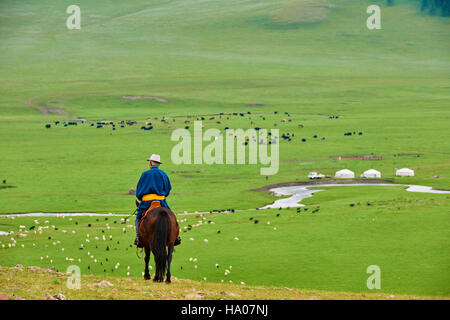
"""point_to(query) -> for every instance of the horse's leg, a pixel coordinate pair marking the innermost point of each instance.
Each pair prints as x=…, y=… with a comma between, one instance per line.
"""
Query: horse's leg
x=147, y=259
x=156, y=276
x=169, y=260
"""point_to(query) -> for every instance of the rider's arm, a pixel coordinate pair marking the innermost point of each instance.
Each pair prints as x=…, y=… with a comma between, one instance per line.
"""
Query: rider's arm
x=139, y=191
x=168, y=186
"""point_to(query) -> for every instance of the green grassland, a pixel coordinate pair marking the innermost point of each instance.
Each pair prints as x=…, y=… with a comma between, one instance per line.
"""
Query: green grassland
x=208, y=57
x=403, y=233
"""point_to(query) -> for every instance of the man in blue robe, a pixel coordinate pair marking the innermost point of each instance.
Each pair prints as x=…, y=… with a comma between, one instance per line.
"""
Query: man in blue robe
x=154, y=185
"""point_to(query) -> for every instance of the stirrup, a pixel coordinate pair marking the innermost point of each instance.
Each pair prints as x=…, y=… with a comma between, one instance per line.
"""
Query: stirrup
x=138, y=243
x=177, y=241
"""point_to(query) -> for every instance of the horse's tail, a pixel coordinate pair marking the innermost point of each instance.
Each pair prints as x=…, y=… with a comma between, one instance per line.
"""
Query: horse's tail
x=162, y=223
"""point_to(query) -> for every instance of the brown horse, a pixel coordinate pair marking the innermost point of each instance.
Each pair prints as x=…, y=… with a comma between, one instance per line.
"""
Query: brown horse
x=159, y=229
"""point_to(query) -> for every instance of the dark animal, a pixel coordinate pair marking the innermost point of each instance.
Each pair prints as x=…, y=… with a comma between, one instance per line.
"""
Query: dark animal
x=159, y=229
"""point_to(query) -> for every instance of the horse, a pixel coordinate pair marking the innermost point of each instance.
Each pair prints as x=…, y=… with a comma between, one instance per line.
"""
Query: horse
x=159, y=229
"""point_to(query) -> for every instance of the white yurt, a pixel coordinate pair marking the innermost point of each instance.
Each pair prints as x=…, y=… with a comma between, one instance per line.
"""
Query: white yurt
x=404, y=172
x=344, y=173
x=371, y=173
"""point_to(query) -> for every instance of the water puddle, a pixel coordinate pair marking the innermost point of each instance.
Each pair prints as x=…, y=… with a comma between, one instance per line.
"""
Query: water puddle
x=298, y=193
x=61, y=215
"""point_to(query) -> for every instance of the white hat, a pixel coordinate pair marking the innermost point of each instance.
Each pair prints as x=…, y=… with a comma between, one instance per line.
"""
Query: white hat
x=155, y=158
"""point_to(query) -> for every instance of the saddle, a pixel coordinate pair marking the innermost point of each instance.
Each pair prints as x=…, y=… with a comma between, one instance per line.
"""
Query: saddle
x=155, y=204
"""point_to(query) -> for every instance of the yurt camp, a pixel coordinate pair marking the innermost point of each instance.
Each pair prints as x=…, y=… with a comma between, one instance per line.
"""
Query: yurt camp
x=404, y=172
x=371, y=173
x=344, y=174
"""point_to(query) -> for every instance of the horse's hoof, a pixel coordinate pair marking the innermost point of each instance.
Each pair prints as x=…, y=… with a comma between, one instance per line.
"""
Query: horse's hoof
x=147, y=277
x=168, y=281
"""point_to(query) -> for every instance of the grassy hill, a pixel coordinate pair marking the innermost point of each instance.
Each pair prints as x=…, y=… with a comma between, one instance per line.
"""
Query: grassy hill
x=391, y=84
x=186, y=59
x=23, y=284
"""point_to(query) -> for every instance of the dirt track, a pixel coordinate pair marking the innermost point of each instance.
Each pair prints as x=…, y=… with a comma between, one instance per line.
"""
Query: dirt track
x=43, y=107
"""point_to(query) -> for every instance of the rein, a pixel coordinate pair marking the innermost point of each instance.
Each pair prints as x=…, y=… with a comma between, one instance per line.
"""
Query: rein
x=137, y=249
x=134, y=212
x=137, y=252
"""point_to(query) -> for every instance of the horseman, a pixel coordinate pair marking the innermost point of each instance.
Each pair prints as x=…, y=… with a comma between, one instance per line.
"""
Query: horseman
x=153, y=186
